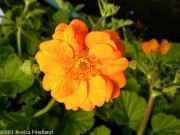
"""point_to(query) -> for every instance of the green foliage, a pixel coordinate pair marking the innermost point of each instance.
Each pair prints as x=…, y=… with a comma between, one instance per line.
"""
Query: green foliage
x=116, y=23
x=12, y=79
x=22, y=95
x=101, y=130
x=76, y=123
x=14, y=121
x=129, y=109
x=173, y=56
x=163, y=124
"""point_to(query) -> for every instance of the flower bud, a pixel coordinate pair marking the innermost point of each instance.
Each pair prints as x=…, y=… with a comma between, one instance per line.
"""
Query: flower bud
x=107, y=9
x=27, y=67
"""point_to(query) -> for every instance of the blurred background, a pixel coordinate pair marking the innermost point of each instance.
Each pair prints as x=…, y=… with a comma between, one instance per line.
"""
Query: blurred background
x=152, y=18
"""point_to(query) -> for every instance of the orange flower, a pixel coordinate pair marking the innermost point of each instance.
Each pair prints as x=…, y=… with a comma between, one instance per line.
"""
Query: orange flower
x=164, y=47
x=153, y=46
x=82, y=69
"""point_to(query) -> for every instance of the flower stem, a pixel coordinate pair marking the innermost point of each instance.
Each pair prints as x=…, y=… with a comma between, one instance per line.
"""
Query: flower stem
x=45, y=109
x=149, y=106
x=124, y=34
x=19, y=40
x=98, y=23
x=146, y=116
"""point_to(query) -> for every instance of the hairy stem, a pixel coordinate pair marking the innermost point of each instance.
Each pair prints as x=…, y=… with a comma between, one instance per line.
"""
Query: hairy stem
x=19, y=41
x=45, y=109
x=146, y=116
x=149, y=106
x=98, y=23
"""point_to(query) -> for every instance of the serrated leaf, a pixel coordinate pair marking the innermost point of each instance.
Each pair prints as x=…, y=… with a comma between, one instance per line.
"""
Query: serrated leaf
x=76, y=122
x=14, y=121
x=101, y=130
x=12, y=78
x=132, y=84
x=163, y=124
x=129, y=109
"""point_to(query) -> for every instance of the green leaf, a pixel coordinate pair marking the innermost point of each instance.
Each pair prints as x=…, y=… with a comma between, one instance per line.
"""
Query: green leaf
x=129, y=109
x=173, y=54
x=62, y=4
x=132, y=84
x=101, y=130
x=12, y=78
x=76, y=122
x=171, y=89
x=131, y=51
x=79, y=7
x=61, y=16
x=177, y=77
x=35, y=12
x=163, y=124
x=40, y=121
x=105, y=112
x=30, y=95
x=119, y=23
x=4, y=53
x=14, y=121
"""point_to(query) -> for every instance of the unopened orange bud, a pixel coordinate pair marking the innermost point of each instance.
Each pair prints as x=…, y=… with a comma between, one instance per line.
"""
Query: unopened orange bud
x=164, y=47
x=153, y=46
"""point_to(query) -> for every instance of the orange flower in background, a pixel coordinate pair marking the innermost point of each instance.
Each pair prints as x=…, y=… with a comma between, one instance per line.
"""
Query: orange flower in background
x=153, y=46
x=164, y=47
x=82, y=69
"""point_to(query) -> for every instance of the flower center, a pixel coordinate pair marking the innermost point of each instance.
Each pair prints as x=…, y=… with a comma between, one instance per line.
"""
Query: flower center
x=85, y=68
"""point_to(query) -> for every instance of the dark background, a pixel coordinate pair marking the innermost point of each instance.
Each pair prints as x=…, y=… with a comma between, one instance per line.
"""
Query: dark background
x=153, y=18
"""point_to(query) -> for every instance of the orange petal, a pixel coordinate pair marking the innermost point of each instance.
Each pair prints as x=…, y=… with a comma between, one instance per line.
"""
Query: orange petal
x=77, y=98
x=145, y=46
x=49, y=63
x=164, y=47
x=121, y=48
x=110, y=67
x=96, y=37
x=115, y=92
x=97, y=90
x=115, y=37
x=153, y=44
x=118, y=79
x=57, y=48
x=74, y=38
x=61, y=27
x=54, y=56
x=80, y=26
x=87, y=105
x=75, y=108
x=59, y=31
x=65, y=86
x=109, y=87
x=49, y=80
x=103, y=52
